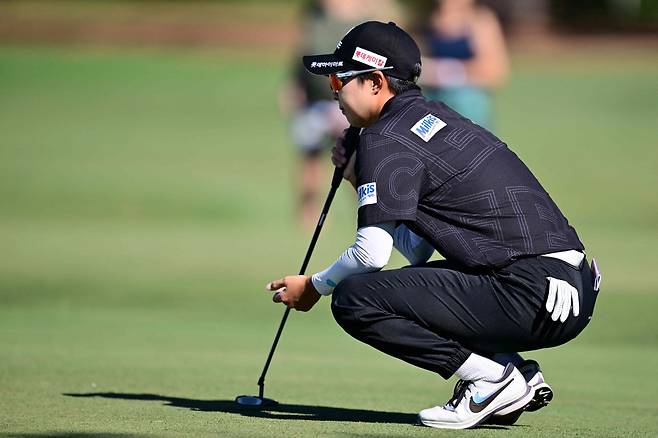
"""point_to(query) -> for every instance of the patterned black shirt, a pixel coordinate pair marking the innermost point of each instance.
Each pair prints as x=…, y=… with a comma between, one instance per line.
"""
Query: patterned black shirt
x=456, y=184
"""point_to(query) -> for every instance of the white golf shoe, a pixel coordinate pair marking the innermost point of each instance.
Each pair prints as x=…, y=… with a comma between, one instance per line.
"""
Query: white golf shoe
x=475, y=401
x=542, y=394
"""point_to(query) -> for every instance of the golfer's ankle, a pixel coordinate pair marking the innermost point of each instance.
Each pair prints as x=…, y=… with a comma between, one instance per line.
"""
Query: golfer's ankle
x=477, y=367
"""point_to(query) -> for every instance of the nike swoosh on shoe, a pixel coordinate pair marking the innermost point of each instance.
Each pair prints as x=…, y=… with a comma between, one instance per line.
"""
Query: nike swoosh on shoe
x=479, y=405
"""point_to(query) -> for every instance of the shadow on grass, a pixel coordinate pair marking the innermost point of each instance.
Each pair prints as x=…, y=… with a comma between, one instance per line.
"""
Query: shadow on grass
x=279, y=412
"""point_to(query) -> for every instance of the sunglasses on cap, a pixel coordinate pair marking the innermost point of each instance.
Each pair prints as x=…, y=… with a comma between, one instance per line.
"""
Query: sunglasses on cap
x=338, y=80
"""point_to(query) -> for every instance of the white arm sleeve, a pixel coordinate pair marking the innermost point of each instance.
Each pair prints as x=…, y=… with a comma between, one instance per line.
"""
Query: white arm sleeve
x=369, y=253
x=416, y=249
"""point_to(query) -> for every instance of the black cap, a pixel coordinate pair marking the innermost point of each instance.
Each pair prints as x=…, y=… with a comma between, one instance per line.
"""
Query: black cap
x=370, y=45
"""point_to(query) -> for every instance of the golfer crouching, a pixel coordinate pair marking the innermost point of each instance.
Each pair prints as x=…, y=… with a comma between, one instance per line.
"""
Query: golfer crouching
x=515, y=277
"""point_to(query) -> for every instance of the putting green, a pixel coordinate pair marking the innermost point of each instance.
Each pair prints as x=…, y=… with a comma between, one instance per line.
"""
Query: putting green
x=146, y=201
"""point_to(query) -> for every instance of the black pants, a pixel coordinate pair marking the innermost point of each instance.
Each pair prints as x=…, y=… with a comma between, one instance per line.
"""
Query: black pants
x=434, y=315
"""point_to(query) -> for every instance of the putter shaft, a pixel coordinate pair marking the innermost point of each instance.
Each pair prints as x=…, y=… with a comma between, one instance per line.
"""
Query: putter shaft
x=351, y=141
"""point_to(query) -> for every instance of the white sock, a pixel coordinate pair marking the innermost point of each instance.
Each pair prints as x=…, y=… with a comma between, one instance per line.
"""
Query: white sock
x=478, y=367
x=505, y=358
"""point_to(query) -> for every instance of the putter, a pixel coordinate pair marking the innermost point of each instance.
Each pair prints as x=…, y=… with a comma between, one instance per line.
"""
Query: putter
x=351, y=142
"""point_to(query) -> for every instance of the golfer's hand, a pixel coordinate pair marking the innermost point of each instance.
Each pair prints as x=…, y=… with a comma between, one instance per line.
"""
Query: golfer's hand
x=339, y=158
x=562, y=299
x=295, y=291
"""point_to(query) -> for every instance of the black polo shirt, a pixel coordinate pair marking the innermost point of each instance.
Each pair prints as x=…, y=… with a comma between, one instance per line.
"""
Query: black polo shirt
x=456, y=184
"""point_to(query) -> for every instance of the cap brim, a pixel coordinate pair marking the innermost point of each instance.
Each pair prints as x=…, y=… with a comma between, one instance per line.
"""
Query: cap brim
x=325, y=64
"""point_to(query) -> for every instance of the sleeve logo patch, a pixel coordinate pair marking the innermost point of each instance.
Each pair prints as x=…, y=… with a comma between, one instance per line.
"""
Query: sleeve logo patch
x=367, y=194
x=426, y=127
x=369, y=58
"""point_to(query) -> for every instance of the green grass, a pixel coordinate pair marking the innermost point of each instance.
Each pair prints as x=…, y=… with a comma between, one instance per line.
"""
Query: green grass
x=145, y=200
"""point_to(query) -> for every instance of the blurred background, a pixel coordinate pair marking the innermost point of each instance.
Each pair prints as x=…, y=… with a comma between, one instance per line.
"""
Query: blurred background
x=150, y=187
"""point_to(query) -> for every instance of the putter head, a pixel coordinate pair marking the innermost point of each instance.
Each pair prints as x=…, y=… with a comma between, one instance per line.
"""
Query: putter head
x=254, y=401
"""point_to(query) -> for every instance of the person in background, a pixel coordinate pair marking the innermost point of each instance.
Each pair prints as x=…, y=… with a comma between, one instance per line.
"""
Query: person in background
x=315, y=120
x=466, y=58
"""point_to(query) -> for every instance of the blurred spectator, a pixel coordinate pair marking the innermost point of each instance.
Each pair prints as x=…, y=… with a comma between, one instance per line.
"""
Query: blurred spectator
x=315, y=120
x=466, y=58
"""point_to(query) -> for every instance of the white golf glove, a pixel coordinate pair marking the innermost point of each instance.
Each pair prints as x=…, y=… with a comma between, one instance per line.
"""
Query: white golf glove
x=562, y=299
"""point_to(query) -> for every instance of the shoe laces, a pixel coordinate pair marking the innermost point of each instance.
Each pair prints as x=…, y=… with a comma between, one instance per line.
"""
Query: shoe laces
x=461, y=387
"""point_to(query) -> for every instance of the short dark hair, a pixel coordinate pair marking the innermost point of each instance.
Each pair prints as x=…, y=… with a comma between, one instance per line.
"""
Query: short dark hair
x=396, y=85
x=399, y=86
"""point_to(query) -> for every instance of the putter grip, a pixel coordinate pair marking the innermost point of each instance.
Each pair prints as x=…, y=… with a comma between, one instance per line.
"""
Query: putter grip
x=351, y=142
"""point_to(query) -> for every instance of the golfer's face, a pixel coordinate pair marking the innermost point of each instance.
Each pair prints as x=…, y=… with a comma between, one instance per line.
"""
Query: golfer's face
x=354, y=101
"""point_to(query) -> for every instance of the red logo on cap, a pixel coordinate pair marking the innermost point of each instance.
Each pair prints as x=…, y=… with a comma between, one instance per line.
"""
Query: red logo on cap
x=369, y=58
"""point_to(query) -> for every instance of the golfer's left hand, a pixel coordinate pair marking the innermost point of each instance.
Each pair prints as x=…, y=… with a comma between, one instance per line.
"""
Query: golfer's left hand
x=562, y=299
x=295, y=291
x=340, y=159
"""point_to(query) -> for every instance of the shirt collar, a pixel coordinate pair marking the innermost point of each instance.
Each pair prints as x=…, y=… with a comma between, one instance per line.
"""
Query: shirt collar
x=398, y=101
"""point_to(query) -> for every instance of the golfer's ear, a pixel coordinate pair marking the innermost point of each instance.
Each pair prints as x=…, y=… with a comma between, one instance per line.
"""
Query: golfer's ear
x=378, y=81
